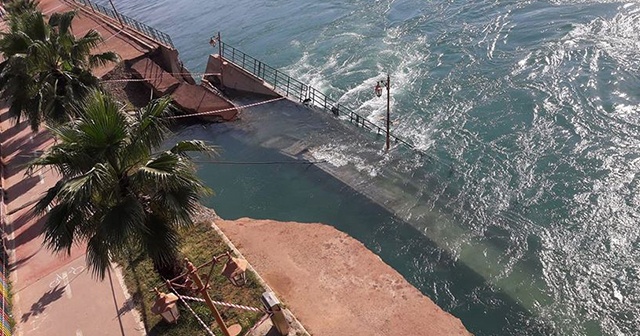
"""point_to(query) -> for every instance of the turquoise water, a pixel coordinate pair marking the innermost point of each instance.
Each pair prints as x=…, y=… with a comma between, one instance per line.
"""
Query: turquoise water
x=522, y=217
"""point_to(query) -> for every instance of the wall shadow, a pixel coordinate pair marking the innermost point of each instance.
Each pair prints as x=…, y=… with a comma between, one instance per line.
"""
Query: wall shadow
x=29, y=233
x=22, y=187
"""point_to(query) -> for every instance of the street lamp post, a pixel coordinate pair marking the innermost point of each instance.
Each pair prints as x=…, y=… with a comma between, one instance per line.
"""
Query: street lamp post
x=217, y=39
x=202, y=288
x=234, y=270
x=378, y=90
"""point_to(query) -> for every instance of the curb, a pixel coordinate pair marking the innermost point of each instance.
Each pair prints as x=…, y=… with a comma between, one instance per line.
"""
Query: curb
x=262, y=282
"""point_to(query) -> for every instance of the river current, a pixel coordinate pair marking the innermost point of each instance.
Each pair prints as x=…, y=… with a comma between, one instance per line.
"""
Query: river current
x=520, y=214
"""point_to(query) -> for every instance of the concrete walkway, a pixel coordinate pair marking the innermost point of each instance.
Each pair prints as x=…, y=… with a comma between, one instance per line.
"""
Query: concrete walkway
x=55, y=294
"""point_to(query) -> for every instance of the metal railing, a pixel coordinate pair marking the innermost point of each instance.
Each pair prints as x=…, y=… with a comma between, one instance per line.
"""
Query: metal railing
x=134, y=24
x=290, y=87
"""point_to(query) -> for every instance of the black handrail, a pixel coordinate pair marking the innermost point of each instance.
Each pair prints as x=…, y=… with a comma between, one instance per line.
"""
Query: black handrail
x=136, y=25
x=291, y=87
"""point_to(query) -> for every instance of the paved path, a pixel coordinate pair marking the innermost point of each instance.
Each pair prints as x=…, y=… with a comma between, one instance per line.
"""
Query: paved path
x=54, y=294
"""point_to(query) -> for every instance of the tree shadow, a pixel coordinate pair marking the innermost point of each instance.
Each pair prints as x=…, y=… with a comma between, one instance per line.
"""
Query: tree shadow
x=137, y=296
x=127, y=306
x=25, y=142
x=47, y=298
x=22, y=220
x=14, y=130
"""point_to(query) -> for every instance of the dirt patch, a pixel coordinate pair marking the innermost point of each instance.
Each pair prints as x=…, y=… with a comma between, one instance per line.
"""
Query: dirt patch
x=334, y=284
x=135, y=94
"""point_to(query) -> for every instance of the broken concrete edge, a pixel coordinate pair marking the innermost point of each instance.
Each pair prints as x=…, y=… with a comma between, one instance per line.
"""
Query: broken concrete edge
x=261, y=281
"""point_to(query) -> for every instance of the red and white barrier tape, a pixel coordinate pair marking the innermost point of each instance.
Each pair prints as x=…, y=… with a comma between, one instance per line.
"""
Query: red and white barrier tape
x=223, y=110
x=224, y=304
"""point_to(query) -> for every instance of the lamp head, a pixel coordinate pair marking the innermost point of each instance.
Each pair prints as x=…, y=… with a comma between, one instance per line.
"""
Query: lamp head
x=378, y=89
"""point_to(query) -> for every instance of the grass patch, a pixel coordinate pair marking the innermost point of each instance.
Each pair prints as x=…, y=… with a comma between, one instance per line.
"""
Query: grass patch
x=200, y=244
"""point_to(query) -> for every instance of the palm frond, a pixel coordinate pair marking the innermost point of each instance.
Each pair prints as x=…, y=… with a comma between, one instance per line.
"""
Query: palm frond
x=102, y=59
x=103, y=126
x=45, y=202
x=123, y=220
x=183, y=147
x=161, y=241
x=60, y=227
x=98, y=256
x=62, y=21
x=151, y=128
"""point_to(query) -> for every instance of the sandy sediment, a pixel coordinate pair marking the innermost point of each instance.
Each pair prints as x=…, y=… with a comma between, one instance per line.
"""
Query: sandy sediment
x=334, y=284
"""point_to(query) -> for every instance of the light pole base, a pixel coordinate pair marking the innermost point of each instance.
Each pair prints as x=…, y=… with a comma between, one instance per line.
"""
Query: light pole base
x=234, y=330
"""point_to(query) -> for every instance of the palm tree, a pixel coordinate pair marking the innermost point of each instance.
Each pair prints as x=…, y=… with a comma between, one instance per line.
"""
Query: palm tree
x=115, y=193
x=48, y=69
x=18, y=7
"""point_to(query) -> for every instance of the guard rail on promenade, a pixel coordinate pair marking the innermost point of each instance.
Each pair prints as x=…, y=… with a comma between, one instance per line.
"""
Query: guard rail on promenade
x=290, y=87
x=138, y=26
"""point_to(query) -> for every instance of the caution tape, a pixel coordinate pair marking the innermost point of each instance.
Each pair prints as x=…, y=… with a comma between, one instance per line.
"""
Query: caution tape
x=194, y=313
x=224, y=304
x=199, y=74
x=224, y=110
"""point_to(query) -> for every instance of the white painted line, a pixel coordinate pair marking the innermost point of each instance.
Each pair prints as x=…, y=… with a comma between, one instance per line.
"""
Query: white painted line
x=67, y=285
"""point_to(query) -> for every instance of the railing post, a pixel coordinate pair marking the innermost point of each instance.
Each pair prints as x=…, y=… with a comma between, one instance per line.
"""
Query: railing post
x=116, y=12
x=275, y=80
x=288, y=80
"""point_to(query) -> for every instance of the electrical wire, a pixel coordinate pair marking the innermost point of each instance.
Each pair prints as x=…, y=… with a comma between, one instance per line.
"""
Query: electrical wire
x=258, y=163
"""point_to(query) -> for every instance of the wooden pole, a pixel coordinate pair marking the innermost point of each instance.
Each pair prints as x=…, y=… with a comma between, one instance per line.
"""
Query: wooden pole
x=388, y=109
x=193, y=271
